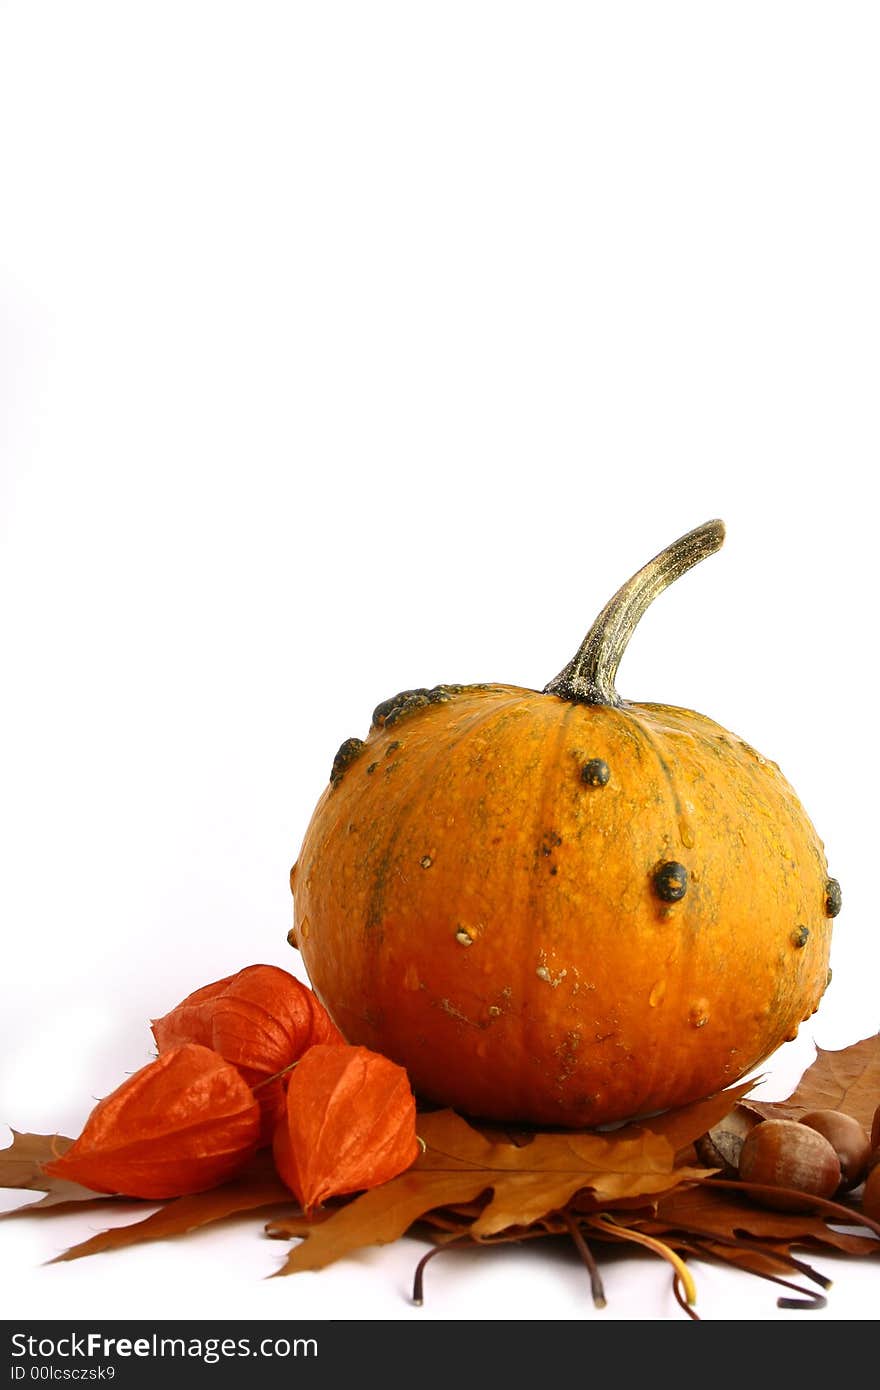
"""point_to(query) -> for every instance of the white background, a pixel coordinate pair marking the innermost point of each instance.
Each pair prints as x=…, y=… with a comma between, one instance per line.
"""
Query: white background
x=348, y=347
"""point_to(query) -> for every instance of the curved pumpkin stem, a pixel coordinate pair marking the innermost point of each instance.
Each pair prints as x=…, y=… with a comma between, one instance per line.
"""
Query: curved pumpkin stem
x=589, y=677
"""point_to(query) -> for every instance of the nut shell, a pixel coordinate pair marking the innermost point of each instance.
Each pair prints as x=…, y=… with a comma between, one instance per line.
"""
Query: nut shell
x=721, y=1146
x=786, y=1154
x=871, y=1194
x=870, y=1197
x=848, y=1139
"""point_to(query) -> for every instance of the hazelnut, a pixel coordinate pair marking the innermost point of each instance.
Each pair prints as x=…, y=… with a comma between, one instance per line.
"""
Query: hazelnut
x=784, y=1153
x=848, y=1140
x=875, y=1129
x=871, y=1194
x=721, y=1146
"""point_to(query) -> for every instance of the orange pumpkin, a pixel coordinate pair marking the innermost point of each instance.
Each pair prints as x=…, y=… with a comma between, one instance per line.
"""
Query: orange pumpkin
x=557, y=906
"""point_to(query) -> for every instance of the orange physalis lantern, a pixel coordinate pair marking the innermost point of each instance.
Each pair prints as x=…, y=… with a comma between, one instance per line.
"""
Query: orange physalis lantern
x=261, y=1020
x=350, y=1124
x=183, y=1123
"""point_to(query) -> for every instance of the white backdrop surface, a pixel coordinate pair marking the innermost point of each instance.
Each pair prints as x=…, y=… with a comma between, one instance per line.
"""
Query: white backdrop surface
x=353, y=347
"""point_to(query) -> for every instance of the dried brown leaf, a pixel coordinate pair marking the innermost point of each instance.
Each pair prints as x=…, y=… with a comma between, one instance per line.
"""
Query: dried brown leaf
x=848, y=1080
x=21, y=1166
x=259, y=1186
x=460, y=1162
x=528, y=1182
x=707, y=1210
x=378, y=1217
x=681, y=1127
x=772, y=1258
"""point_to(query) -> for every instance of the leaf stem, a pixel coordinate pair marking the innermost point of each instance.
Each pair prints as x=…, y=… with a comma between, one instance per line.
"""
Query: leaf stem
x=680, y=1298
x=608, y=1224
x=810, y=1300
x=787, y=1260
x=418, y=1293
x=586, y=1254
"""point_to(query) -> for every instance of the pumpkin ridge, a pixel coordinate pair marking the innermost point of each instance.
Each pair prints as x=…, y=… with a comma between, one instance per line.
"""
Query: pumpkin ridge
x=624, y=724
x=491, y=717
x=633, y=714
x=376, y=899
x=633, y=735
x=538, y=905
x=515, y=893
x=406, y=813
x=659, y=1069
x=548, y=759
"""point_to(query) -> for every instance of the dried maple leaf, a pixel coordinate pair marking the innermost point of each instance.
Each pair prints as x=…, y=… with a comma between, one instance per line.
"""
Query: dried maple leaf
x=460, y=1163
x=848, y=1080
x=261, y=1020
x=349, y=1124
x=183, y=1123
x=257, y=1187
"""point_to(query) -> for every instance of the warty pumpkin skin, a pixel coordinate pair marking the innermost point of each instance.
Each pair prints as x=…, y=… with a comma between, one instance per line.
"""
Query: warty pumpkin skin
x=558, y=907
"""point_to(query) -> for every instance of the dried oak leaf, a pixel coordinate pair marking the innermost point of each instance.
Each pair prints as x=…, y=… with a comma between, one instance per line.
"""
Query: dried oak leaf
x=349, y=1124
x=773, y=1258
x=709, y=1211
x=460, y=1163
x=22, y=1167
x=261, y=1020
x=848, y=1080
x=683, y=1126
x=678, y=1127
x=258, y=1186
x=183, y=1123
